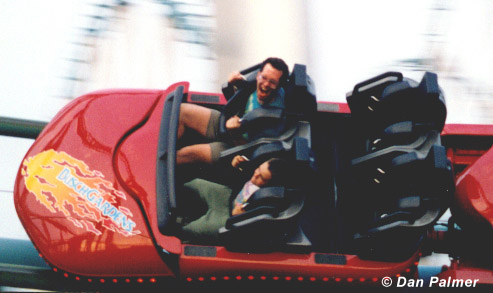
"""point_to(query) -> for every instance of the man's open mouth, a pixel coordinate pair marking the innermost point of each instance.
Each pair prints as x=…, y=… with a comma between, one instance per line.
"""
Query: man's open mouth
x=265, y=90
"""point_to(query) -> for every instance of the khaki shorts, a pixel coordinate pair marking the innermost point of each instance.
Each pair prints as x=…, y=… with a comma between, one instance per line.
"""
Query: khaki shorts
x=212, y=134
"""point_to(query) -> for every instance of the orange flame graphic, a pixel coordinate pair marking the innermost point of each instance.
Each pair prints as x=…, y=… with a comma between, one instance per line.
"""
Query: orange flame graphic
x=64, y=184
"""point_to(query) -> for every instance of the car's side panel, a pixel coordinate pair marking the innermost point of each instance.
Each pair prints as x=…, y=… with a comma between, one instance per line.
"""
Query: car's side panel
x=474, y=191
x=135, y=162
x=68, y=198
x=224, y=264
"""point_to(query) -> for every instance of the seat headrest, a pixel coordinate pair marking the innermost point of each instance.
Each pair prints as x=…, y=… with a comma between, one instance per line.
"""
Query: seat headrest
x=250, y=78
x=383, y=103
x=300, y=97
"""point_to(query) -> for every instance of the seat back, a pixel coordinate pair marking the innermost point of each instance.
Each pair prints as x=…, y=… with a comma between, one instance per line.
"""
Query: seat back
x=277, y=127
x=402, y=178
x=396, y=108
x=250, y=74
x=299, y=101
x=271, y=217
x=271, y=213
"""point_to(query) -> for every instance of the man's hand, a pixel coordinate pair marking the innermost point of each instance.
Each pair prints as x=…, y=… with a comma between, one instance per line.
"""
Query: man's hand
x=235, y=77
x=233, y=123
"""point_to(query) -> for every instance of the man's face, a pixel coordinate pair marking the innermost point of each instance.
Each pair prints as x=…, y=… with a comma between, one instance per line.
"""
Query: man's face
x=261, y=175
x=267, y=82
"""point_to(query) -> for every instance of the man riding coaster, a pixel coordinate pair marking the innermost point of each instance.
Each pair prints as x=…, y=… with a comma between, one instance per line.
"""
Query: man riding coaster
x=268, y=93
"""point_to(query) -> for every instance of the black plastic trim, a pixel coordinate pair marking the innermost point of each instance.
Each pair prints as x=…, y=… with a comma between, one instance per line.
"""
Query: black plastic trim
x=198, y=98
x=330, y=259
x=166, y=161
x=207, y=251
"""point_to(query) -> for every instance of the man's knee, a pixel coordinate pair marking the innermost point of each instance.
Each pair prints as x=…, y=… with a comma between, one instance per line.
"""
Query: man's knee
x=195, y=117
x=186, y=111
x=193, y=154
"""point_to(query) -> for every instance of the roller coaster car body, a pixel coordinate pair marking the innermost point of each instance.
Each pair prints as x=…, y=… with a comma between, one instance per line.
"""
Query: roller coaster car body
x=98, y=192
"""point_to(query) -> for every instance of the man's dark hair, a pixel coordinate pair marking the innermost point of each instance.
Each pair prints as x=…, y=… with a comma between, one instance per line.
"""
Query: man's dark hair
x=278, y=64
x=279, y=170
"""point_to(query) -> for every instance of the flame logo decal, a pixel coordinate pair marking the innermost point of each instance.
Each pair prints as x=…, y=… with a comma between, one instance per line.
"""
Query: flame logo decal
x=64, y=184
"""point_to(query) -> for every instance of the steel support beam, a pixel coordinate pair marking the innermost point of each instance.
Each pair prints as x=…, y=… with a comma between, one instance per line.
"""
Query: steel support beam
x=21, y=127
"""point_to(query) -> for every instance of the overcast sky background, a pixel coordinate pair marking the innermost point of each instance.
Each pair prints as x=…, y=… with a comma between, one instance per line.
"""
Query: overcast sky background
x=346, y=42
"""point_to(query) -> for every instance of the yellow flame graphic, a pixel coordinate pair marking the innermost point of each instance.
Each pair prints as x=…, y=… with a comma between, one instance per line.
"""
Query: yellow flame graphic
x=64, y=184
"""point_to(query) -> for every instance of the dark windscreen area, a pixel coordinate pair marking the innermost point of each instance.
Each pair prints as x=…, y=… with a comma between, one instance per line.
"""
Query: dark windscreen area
x=166, y=160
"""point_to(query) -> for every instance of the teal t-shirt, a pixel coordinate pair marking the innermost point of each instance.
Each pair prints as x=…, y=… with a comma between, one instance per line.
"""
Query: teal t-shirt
x=252, y=103
x=277, y=102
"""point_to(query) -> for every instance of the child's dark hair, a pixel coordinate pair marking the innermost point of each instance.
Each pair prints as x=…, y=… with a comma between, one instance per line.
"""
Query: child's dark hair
x=279, y=170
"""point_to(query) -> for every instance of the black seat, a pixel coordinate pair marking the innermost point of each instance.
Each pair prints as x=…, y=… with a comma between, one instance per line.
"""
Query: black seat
x=271, y=214
x=250, y=74
x=402, y=178
x=392, y=110
x=275, y=127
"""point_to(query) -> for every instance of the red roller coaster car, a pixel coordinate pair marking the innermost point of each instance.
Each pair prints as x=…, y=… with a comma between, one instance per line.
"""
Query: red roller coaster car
x=99, y=191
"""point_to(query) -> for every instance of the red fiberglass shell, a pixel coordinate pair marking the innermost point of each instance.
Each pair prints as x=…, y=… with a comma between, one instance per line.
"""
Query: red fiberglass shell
x=474, y=190
x=82, y=215
x=462, y=270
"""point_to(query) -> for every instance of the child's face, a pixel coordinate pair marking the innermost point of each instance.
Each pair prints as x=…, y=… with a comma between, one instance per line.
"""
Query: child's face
x=262, y=175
